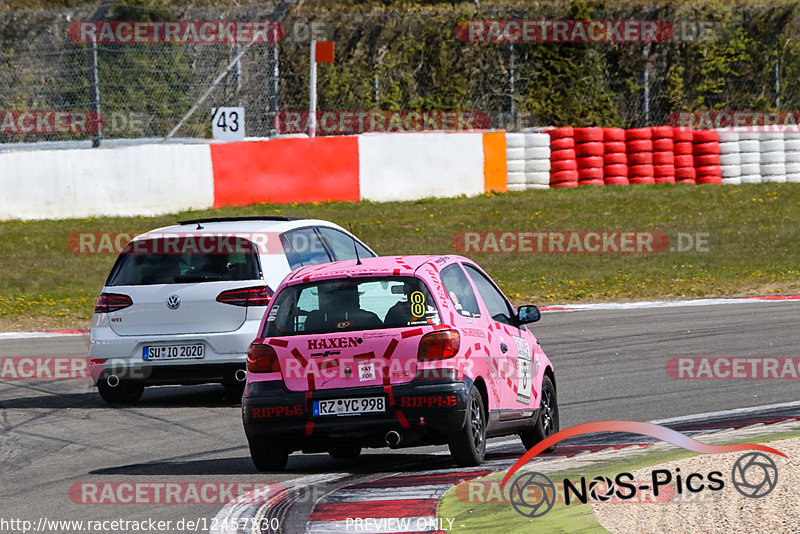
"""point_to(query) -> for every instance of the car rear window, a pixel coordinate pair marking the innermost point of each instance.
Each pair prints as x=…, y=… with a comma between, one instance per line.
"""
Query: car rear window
x=348, y=304
x=176, y=261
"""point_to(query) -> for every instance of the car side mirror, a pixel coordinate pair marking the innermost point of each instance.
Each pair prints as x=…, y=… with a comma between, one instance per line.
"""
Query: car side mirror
x=528, y=314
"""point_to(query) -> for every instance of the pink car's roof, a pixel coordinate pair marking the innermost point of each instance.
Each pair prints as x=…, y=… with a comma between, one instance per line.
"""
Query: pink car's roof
x=380, y=266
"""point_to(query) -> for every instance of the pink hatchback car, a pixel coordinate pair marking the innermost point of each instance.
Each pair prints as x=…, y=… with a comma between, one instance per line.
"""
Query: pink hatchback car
x=398, y=352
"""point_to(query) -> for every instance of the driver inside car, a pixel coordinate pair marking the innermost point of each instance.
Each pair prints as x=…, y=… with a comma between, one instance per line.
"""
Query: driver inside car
x=340, y=309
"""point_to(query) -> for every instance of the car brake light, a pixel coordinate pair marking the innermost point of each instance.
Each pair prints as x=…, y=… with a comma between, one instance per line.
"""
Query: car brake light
x=439, y=345
x=111, y=302
x=246, y=296
x=262, y=359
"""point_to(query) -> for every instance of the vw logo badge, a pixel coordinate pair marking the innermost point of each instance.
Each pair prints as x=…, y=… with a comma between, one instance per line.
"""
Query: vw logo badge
x=173, y=302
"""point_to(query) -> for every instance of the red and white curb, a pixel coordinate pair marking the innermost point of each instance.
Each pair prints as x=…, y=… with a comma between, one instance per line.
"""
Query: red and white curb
x=390, y=504
x=666, y=303
x=45, y=333
x=243, y=514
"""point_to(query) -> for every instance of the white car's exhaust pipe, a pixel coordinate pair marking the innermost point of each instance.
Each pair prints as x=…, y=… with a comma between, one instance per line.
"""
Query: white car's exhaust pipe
x=240, y=375
x=112, y=381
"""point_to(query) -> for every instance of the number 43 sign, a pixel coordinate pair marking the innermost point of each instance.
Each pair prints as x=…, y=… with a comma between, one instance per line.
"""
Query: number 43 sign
x=227, y=124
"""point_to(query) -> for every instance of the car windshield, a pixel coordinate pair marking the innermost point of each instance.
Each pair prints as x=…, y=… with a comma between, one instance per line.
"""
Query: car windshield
x=176, y=261
x=348, y=304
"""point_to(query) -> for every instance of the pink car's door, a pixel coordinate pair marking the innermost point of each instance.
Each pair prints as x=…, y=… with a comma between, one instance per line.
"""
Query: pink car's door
x=512, y=349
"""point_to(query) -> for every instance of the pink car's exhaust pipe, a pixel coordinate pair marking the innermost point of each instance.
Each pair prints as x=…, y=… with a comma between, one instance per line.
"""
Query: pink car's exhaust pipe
x=393, y=439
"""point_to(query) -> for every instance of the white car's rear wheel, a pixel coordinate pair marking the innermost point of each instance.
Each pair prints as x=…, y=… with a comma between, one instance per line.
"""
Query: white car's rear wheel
x=125, y=392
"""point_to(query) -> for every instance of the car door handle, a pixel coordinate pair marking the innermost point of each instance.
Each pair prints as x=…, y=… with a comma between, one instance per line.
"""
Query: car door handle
x=503, y=348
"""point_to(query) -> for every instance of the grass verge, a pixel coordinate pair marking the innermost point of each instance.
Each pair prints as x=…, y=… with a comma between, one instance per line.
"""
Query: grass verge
x=752, y=230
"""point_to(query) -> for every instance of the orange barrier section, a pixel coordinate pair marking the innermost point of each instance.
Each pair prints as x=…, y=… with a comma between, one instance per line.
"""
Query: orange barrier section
x=285, y=170
x=494, y=161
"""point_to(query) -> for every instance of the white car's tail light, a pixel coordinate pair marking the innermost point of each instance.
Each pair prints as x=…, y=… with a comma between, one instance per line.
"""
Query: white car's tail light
x=111, y=302
x=262, y=359
x=439, y=345
x=246, y=296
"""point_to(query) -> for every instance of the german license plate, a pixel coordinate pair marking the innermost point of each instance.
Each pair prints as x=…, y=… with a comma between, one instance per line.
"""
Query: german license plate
x=350, y=406
x=173, y=352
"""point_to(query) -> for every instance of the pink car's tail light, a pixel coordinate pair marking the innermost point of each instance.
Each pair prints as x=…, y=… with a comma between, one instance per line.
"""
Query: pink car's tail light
x=111, y=302
x=439, y=345
x=248, y=296
x=262, y=359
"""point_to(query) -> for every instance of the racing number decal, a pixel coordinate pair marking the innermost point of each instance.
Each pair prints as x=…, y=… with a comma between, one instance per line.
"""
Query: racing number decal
x=525, y=370
x=417, y=304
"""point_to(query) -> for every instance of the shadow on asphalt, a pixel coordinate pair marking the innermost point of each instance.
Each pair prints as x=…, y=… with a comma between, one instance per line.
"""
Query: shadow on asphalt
x=205, y=396
x=367, y=463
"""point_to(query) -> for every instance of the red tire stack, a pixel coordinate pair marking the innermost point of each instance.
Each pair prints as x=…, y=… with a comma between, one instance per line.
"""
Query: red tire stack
x=705, y=150
x=639, y=147
x=682, y=147
x=615, y=157
x=663, y=155
x=563, y=165
x=589, y=151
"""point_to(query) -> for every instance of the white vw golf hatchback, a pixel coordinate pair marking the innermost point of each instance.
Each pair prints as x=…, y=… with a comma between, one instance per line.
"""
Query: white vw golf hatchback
x=183, y=302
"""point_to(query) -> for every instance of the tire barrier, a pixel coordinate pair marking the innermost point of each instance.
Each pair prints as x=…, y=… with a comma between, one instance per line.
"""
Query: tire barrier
x=639, y=149
x=749, y=157
x=791, y=148
x=615, y=157
x=515, y=161
x=528, y=158
x=729, y=158
x=589, y=151
x=563, y=160
x=772, y=158
x=657, y=154
x=537, y=160
x=684, y=160
x=705, y=149
x=663, y=155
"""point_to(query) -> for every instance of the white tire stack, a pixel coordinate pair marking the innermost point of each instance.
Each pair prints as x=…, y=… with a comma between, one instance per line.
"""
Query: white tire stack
x=773, y=157
x=537, y=160
x=749, y=157
x=791, y=145
x=729, y=159
x=515, y=161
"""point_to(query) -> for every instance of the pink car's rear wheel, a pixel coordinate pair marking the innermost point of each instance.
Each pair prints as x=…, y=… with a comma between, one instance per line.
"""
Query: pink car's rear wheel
x=269, y=457
x=468, y=445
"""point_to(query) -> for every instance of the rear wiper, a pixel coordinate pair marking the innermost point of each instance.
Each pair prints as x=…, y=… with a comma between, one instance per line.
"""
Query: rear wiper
x=196, y=278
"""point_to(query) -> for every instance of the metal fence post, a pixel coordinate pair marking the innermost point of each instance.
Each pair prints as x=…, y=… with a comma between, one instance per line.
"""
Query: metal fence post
x=98, y=134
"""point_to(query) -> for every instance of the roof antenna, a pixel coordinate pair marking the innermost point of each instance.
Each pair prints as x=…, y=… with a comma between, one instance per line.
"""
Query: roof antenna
x=199, y=226
x=355, y=246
